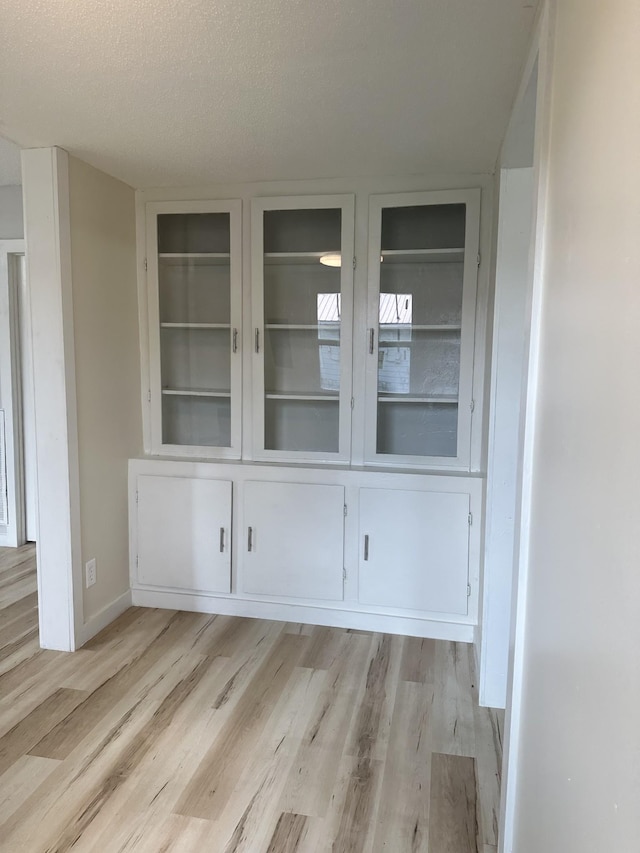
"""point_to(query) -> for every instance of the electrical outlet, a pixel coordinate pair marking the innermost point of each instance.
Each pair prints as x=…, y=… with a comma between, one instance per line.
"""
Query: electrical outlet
x=91, y=571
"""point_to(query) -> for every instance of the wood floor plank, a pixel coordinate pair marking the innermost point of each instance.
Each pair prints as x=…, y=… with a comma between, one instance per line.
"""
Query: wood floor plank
x=288, y=833
x=61, y=740
x=452, y=822
x=418, y=660
x=191, y=732
x=453, y=728
x=21, y=780
x=25, y=734
x=312, y=776
x=402, y=818
x=212, y=785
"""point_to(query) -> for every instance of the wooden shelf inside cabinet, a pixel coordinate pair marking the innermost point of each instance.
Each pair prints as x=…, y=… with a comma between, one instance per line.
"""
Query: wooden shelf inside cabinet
x=302, y=326
x=274, y=258
x=194, y=392
x=195, y=258
x=413, y=398
x=195, y=326
x=412, y=327
x=423, y=256
x=275, y=395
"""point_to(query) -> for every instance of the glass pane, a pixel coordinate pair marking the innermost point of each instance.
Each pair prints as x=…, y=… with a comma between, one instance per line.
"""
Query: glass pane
x=302, y=313
x=420, y=314
x=195, y=328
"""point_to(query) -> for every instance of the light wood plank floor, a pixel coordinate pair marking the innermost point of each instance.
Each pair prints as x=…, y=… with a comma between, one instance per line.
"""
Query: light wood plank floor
x=189, y=732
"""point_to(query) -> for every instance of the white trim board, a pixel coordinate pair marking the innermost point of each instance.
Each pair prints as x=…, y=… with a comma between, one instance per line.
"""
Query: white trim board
x=47, y=230
x=282, y=612
x=103, y=618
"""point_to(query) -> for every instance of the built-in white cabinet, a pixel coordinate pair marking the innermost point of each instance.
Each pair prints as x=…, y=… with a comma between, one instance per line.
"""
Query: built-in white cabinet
x=314, y=356
x=423, y=258
x=301, y=302
x=195, y=326
x=294, y=540
x=183, y=529
x=414, y=550
x=302, y=344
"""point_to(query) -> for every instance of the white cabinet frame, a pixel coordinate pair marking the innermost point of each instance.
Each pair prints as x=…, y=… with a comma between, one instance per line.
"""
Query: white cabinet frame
x=234, y=208
x=258, y=207
x=378, y=203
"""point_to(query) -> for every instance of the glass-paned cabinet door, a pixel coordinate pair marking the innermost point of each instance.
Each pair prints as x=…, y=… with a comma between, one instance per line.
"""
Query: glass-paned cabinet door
x=195, y=308
x=423, y=254
x=302, y=271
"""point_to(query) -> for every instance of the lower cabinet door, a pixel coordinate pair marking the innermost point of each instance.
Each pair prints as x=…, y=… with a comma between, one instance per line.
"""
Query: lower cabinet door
x=294, y=540
x=184, y=533
x=414, y=550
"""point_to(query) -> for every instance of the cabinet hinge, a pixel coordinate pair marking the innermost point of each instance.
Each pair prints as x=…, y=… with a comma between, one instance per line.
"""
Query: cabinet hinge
x=352, y=402
x=478, y=258
x=149, y=395
x=345, y=509
x=468, y=590
x=354, y=261
x=145, y=264
x=136, y=496
x=344, y=574
x=470, y=519
x=472, y=405
x=136, y=561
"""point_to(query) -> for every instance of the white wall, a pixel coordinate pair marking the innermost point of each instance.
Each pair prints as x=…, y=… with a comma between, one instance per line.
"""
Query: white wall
x=578, y=773
x=107, y=360
x=11, y=225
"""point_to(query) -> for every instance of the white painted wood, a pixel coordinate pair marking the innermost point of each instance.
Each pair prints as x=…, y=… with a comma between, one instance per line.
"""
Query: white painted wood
x=414, y=550
x=28, y=405
x=103, y=618
x=540, y=64
x=313, y=614
x=12, y=530
x=46, y=210
x=507, y=376
x=184, y=533
x=466, y=417
x=258, y=208
x=294, y=540
x=234, y=208
x=351, y=481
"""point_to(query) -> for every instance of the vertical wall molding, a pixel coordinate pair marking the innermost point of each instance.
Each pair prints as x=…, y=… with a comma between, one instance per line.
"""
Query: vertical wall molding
x=47, y=233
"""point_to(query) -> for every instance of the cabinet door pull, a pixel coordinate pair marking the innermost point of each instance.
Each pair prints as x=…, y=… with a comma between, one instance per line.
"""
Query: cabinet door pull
x=249, y=538
x=235, y=340
x=371, y=340
x=257, y=340
x=366, y=546
x=222, y=540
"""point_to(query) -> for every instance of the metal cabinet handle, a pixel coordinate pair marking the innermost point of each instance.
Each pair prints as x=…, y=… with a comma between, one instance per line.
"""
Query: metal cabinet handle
x=249, y=538
x=257, y=340
x=366, y=546
x=222, y=540
x=371, y=340
x=235, y=340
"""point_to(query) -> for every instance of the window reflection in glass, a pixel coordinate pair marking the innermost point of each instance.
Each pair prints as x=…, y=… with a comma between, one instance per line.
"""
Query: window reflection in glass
x=329, y=309
x=394, y=360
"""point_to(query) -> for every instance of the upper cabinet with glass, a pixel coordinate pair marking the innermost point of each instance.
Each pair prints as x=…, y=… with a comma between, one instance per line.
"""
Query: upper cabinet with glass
x=423, y=251
x=302, y=274
x=195, y=309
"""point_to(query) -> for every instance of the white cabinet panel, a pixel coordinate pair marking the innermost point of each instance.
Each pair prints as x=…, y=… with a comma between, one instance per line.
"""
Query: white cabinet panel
x=184, y=533
x=294, y=540
x=414, y=550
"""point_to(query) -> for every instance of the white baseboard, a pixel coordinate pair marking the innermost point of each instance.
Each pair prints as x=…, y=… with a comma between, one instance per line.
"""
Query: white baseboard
x=102, y=619
x=282, y=612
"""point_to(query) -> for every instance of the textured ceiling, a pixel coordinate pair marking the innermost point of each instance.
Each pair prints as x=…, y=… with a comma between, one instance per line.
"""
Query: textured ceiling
x=160, y=93
x=9, y=164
